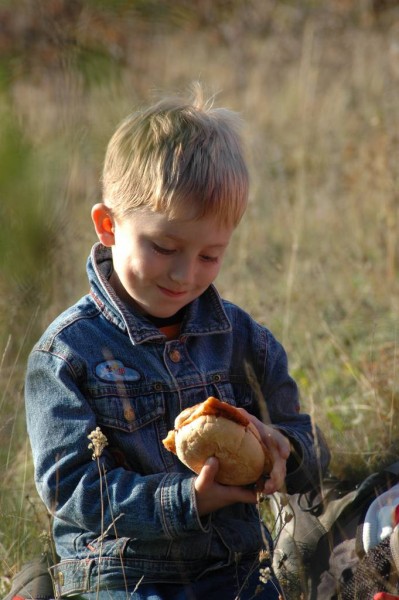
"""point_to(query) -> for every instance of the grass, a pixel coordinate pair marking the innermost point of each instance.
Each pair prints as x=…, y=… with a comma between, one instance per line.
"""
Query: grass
x=316, y=256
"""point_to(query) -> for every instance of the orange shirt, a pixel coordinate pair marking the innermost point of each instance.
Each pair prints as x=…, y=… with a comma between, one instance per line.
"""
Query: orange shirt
x=171, y=331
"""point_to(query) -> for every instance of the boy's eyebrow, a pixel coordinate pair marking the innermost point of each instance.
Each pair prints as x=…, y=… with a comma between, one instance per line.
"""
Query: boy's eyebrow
x=177, y=238
x=216, y=246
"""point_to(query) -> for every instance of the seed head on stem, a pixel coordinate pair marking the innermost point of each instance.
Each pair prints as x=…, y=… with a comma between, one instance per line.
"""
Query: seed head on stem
x=98, y=442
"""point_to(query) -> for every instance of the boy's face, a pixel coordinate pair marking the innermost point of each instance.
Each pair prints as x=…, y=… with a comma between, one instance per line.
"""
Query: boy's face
x=161, y=265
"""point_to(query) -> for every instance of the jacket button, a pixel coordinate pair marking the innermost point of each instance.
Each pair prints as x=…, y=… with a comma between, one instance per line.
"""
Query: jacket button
x=175, y=356
x=129, y=414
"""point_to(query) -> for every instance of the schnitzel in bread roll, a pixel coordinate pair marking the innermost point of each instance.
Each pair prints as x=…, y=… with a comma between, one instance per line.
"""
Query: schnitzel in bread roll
x=215, y=428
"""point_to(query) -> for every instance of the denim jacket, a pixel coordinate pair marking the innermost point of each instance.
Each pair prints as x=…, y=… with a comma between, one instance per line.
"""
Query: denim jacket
x=132, y=513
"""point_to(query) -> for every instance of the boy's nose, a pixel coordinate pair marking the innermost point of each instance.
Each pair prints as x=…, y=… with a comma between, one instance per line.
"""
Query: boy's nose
x=182, y=272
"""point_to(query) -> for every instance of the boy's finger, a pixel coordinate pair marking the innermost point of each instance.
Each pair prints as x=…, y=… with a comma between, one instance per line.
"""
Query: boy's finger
x=276, y=478
x=285, y=447
x=207, y=474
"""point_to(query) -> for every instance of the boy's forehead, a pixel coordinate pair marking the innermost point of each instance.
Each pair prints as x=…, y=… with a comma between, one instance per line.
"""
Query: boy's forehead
x=158, y=219
x=181, y=227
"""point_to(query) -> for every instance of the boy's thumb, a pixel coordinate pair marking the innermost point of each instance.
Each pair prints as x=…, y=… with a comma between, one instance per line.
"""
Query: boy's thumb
x=207, y=475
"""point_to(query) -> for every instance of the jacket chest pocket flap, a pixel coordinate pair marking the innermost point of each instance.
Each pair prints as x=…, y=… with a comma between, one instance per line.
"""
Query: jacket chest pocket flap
x=127, y=409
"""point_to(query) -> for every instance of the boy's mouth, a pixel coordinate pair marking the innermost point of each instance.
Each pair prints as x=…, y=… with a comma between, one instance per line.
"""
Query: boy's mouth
x=172, y=293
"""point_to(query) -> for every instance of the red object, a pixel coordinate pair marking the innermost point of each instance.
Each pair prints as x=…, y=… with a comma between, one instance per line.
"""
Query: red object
x=18, y=598
x=385, y=596
x=396, y=515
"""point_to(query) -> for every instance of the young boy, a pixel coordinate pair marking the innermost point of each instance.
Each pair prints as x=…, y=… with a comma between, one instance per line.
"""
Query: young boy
x=150, y=339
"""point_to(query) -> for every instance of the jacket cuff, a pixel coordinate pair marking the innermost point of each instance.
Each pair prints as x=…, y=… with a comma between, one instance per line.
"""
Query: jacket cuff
x=178, y=506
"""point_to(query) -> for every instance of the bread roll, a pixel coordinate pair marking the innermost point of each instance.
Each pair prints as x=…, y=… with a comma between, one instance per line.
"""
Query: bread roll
x=215, y=428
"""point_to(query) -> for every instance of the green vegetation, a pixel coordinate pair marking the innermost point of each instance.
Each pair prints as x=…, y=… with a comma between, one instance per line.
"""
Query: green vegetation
x=316, y=256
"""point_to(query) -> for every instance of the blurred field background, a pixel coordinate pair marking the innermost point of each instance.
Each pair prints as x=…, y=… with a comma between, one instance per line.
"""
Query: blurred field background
x=316, y=258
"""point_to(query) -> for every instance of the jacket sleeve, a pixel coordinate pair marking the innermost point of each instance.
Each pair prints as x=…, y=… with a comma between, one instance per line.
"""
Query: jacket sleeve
x=95, y=494
x=310, y=457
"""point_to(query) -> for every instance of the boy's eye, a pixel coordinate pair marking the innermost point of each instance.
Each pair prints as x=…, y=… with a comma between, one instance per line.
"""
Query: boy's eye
x=212, y=259
x=161, y=250
x=168, y=251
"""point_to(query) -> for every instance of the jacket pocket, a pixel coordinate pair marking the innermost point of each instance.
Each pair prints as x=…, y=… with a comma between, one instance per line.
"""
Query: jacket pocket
x=133, y=419
x=124, y=408
x=234, y=390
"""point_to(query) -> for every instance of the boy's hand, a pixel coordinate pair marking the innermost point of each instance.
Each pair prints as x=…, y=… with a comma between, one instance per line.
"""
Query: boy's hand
x=212, y=495
x=279, y=448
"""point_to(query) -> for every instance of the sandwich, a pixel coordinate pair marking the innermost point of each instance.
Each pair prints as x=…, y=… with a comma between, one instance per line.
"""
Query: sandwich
x=215, y=428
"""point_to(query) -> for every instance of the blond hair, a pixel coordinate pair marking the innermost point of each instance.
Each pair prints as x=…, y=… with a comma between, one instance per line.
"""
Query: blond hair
x=177, y=156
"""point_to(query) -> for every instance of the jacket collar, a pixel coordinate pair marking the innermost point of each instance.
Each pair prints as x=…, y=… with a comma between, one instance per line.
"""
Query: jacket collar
x=204, y=316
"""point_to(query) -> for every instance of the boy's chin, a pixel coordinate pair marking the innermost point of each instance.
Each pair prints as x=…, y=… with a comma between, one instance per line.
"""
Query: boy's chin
x=156, y=312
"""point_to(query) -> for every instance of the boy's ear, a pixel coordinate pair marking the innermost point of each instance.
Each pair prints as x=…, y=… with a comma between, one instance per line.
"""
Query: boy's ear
x=103, y=224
